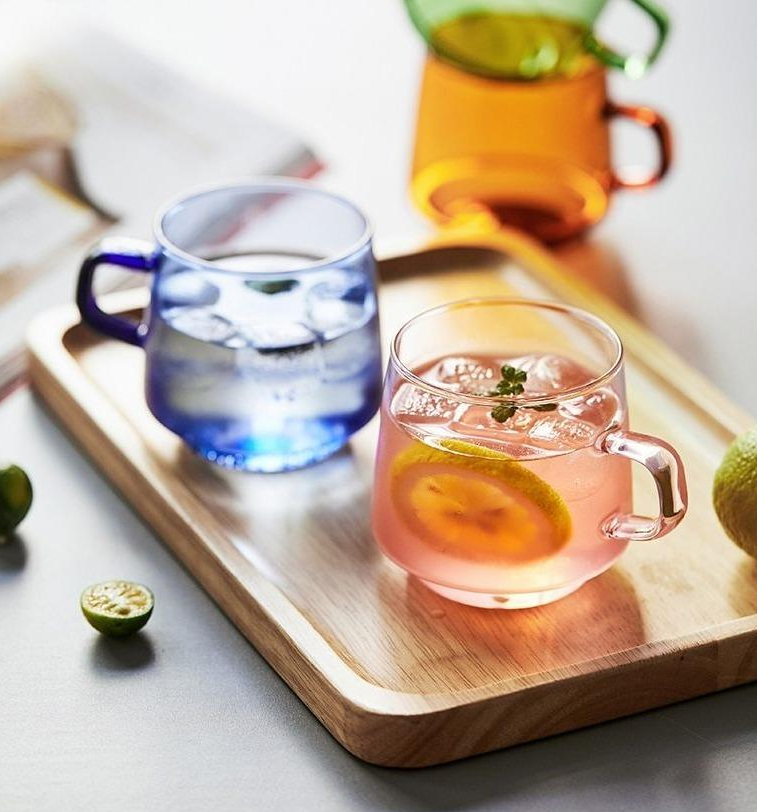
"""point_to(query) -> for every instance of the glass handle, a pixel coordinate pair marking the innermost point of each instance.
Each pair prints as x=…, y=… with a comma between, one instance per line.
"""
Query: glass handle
x=663, y=462
x=634, y=65
x=136, y=255
x=651, y=120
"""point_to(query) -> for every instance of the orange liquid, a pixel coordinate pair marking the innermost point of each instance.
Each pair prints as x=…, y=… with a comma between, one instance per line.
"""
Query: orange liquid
x=534, y=155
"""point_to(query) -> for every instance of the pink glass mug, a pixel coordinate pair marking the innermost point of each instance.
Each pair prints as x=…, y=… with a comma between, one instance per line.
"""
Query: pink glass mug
x=512, y=497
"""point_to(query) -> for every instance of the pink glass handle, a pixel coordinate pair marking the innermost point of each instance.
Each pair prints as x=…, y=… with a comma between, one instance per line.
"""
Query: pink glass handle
x=663, y=462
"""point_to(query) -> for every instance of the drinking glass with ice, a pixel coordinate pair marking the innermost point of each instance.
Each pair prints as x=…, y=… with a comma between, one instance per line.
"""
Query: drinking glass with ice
x=261, y=339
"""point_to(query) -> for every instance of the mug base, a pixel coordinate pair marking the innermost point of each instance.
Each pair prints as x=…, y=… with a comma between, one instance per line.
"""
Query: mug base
x=550, y=199
x=268, y=463
x=503, y=600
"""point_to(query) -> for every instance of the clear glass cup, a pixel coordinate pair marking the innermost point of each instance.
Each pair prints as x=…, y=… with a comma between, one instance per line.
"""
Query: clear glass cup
x=261, y=339
x=512, y=494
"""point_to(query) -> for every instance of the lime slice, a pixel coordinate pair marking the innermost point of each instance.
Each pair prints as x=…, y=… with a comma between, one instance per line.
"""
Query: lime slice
x=734, y=492
x=478, y=504
x=117, y=608
x=15, y=498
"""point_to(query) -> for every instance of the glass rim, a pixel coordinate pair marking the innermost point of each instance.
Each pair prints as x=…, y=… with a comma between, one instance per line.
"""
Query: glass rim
x=524, y=399
x=271, y=183
x=588, y=71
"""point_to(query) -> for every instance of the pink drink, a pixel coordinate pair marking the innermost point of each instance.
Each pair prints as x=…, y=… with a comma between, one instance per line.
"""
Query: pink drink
x=424, y=531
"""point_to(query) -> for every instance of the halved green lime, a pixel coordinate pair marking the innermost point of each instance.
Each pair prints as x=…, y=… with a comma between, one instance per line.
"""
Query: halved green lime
x=117, y=608
x=15, y=498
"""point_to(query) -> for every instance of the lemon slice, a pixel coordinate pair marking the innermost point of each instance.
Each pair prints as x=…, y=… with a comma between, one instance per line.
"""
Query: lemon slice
x=478, y=504
x=117, y=608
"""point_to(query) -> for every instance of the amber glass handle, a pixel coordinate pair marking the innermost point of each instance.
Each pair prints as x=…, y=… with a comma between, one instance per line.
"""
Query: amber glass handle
x=651, y=120
x=663, y=462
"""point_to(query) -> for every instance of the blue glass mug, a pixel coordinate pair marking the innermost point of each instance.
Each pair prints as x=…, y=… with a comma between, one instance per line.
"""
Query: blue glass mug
x=261, y=339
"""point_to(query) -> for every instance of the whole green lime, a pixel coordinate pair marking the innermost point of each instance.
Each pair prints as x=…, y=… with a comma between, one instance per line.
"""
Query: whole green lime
x=734, y=492
x=15, y=498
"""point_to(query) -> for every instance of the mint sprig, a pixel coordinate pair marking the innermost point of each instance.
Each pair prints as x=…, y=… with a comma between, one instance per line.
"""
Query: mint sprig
x=512, y=384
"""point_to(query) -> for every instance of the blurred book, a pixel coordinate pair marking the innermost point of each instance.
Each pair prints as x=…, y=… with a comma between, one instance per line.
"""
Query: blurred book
x=94, y=136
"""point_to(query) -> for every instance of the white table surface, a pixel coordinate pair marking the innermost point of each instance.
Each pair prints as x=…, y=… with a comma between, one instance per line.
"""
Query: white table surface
x=189, y=716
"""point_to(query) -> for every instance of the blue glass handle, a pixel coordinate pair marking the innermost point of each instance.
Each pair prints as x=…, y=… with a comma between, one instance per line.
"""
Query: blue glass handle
x=136, y=255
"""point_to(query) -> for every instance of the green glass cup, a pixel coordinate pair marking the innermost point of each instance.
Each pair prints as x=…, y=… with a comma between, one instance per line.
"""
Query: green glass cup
x=527, y=39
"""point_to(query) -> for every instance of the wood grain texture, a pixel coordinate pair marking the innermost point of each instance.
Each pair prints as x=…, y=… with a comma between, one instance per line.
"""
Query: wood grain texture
x=397, y=674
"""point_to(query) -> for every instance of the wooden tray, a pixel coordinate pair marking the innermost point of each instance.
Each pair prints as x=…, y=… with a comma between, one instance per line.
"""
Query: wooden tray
x=397, y=674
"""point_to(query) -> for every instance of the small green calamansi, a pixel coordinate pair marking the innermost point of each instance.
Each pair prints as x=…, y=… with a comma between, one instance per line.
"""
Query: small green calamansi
x=15, y=498
x=117, y=608
x=734, y=492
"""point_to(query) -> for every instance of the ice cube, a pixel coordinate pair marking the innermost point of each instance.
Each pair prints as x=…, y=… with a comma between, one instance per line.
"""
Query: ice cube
x=282, y=357
x=583, y=474
x=348, y=355
x=187, y=289
x=463, y=374
x=200, y=323
x=476, y=419
x=339, y=304
x=550, y=373
x=559, y=432
x=415, y=405
x=277, y=335
x=600, y=408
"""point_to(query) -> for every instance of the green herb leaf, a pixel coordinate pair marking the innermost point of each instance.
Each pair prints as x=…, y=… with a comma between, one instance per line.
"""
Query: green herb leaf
x=502, y=413
x=512, y=384
x=273, y=286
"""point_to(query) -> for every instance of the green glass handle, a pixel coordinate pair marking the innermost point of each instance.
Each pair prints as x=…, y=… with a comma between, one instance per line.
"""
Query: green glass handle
x=634, y=65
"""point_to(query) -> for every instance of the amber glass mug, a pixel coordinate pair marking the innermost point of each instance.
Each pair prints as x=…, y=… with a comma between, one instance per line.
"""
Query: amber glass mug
x=535, y=155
